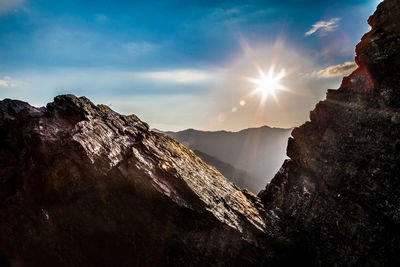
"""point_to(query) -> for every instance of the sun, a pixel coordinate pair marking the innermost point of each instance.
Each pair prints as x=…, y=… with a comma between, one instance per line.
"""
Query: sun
x=268, y=84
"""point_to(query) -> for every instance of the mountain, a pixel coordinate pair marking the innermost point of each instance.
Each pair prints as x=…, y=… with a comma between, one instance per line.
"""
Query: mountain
x=85, y=186
x=338, y=197
x=258, y=151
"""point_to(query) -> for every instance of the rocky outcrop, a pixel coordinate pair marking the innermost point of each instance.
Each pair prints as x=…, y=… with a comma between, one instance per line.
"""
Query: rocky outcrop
x=338, y=196
x=84, y=186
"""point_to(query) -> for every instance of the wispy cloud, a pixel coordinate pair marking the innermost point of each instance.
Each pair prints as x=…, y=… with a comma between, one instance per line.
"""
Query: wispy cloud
x=177, y=76
x=7, y=82
x=125, y=90
x=323, y=27
x=337, y=70
x=9, y=5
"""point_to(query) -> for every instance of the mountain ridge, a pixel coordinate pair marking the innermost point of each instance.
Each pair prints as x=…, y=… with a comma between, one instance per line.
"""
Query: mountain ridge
x=258, y=151
x=77, y=173
x=224, y=131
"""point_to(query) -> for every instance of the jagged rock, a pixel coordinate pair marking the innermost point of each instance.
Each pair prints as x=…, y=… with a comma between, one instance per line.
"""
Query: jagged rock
x=338, y=196
x=84, y=186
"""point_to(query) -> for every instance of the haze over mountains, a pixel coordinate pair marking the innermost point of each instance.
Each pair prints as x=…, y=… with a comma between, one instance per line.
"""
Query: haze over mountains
x=249, y=158
x=241, y=178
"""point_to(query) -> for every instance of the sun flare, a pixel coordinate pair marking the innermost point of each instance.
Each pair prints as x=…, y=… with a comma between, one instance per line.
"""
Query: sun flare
x=268, y=84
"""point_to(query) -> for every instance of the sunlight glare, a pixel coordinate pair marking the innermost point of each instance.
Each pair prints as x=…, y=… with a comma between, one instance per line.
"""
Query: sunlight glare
x=268, y=84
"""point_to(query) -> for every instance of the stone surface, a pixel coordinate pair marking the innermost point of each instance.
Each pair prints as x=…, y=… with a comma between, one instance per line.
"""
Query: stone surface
x=338, y=196
x=85, y=186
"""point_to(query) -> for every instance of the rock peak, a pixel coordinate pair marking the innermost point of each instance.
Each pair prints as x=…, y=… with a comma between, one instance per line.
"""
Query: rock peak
x=75, y=172
x=338, y=196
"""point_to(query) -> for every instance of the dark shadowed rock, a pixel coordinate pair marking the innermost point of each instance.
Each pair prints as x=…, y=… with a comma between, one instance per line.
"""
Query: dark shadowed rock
x=338, y=196
x=84, y=186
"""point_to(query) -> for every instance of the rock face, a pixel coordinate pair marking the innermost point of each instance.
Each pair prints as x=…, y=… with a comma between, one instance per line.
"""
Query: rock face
x=84, y=186
x=338, y=196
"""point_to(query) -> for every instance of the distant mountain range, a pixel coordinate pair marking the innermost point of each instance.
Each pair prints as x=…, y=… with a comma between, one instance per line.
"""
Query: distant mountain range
x=249, y=158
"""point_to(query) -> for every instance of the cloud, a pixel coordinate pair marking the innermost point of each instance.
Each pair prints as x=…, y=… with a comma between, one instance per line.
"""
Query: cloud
x=177, y=76
x=323, y=27
x=8, y=5
x=38, y=86
x=337, y=70
x=165, y=105
x=7, y=82
x=3, y=83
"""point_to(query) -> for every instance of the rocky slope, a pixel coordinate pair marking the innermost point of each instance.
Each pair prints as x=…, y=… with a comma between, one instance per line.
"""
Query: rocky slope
x=238, y=177
x=84, y=186
x=338, y=196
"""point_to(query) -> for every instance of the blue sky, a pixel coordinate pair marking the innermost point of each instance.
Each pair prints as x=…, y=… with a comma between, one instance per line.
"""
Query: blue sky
x=180, y=64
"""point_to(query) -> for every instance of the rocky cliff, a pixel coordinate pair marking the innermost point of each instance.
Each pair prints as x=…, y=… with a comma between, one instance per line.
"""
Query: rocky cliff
x=338, y=196
x=84, y=186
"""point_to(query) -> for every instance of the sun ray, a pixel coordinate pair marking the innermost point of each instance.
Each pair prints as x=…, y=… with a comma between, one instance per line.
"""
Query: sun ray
x=268, y=84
